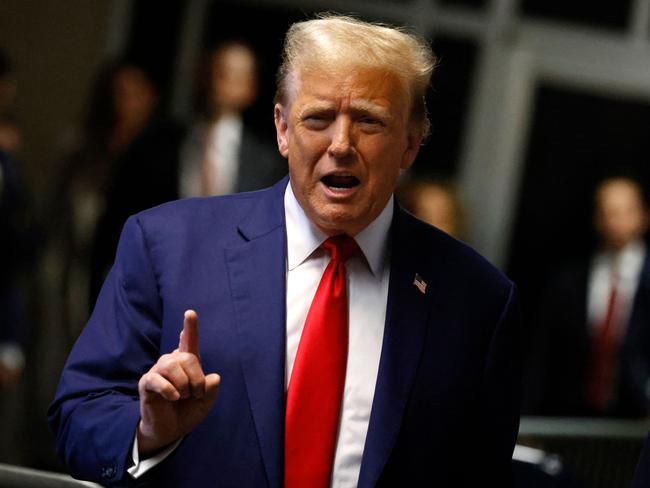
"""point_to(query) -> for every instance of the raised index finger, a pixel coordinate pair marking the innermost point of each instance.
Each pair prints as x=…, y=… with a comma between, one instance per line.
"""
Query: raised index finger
x=189, y=340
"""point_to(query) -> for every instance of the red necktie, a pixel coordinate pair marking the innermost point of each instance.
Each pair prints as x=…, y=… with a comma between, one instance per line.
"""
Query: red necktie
x=604, y=354
x=316, y=387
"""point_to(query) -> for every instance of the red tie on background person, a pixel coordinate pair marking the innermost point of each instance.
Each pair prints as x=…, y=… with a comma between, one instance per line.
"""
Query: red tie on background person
x=315, y=391
x=604, y=353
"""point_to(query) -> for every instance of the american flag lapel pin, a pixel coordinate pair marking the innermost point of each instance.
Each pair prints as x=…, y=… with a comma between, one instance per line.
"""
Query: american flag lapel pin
x=420, y=284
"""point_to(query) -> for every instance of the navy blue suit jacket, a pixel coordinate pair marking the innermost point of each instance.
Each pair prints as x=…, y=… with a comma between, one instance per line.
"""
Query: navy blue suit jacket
x=445, y=411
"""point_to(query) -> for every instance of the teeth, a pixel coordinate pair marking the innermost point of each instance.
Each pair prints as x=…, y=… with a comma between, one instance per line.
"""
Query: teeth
x=340, y=181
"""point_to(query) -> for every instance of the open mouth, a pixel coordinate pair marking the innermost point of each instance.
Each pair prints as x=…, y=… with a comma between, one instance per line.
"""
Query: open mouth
x=340, y=182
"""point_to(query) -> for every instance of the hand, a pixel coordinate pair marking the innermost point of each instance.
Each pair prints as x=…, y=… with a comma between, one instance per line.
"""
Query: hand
x=175, y=394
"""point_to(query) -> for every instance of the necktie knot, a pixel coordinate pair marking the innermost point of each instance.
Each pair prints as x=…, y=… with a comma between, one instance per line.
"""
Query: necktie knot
x=341, y=247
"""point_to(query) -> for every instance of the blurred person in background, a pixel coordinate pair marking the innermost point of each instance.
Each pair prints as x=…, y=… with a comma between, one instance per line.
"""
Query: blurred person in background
x=12, y=357
x=142, y=147
x=221, y=154
x=435, y=201
x=590, y=356
x=79, y=197
x=108, y=172
x=17, y=234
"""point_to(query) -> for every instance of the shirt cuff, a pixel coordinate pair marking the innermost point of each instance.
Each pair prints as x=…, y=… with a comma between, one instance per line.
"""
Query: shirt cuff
x=141, y=467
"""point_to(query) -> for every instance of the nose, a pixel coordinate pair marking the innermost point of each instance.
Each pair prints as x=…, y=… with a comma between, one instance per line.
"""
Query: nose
x=341, y=144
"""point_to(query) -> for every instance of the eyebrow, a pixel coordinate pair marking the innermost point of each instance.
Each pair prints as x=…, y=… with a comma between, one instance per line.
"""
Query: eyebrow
x=316, y=107
x=365, y=106
x=370, y=107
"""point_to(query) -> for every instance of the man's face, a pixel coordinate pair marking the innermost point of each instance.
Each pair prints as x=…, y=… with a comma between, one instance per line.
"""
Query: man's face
x=346, y=135
x=620, y=213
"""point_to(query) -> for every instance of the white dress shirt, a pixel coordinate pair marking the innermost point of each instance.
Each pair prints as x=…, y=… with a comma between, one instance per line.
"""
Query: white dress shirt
x=367, y=285
x=367, y=280
x=626, y=265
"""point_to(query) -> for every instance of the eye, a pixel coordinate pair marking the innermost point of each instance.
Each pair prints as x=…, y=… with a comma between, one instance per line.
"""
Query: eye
x=370, y=123
x=316, y=121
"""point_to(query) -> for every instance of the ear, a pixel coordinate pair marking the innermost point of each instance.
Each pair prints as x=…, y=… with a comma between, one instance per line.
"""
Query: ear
x=281, y=129
x=413, y=143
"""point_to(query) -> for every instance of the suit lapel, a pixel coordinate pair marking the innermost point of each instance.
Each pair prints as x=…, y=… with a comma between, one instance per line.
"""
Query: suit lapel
x=257, y=270
x=406, y=316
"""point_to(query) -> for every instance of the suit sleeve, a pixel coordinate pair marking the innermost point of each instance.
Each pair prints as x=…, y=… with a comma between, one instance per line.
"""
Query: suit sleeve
x=500, y=394
x=96, y=408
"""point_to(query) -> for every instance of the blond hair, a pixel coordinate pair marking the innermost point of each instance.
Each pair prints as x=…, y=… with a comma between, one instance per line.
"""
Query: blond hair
x=337, y=40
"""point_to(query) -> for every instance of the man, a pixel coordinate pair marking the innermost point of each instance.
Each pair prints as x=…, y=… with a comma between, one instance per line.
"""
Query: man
x=593, y=357
x=418, y=387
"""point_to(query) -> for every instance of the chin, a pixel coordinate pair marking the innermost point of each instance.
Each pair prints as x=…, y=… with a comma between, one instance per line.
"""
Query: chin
x=336, y=223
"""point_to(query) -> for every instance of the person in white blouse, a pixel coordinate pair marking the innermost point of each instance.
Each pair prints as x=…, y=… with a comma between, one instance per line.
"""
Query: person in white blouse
x=221, y=154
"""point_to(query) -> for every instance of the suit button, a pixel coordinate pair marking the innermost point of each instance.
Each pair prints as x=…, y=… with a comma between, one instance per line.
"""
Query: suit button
x=108, y=472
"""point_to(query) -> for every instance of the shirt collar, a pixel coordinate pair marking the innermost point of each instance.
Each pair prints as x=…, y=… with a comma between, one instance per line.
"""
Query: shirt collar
x=626, y=262
x=226, y=123
x=303, y=237
x=631, y=257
